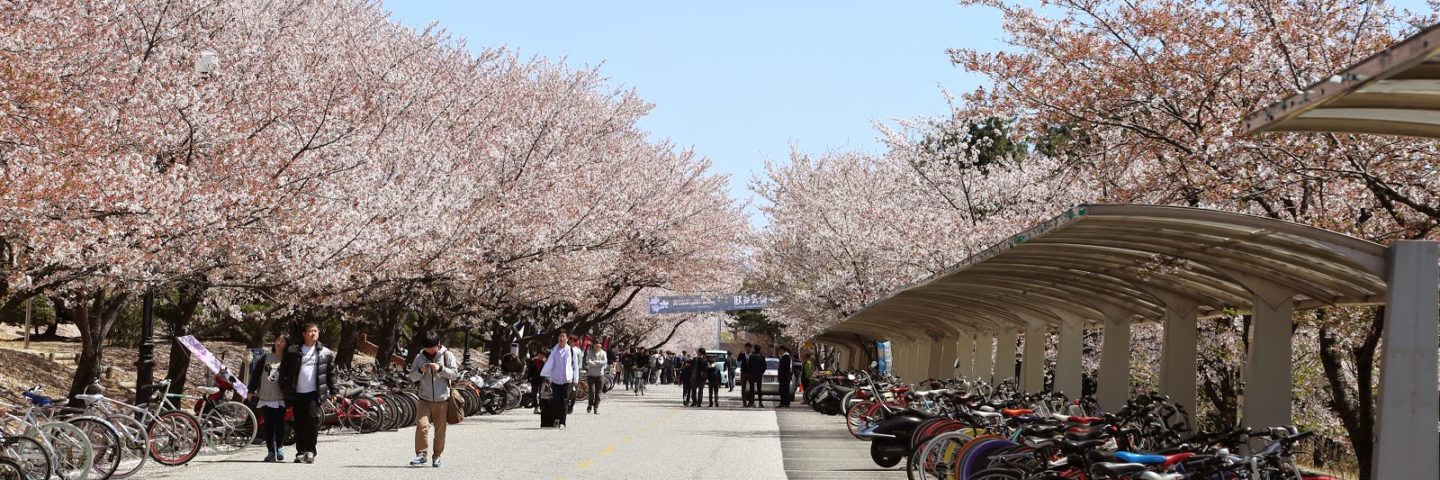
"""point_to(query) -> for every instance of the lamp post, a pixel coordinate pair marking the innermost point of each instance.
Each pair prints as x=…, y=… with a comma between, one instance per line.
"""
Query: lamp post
x=145, y=365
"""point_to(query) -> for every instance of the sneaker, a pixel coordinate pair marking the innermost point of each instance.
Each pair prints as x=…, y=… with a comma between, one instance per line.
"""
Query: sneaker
x=270, y=458
x=309, y=457
x=562, y=426
x=436, y=464
x=299, y=457
x=279, y=454
x=420, y=460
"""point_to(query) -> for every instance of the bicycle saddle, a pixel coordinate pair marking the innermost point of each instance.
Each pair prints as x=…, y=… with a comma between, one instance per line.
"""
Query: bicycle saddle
x=39, y=400
x=1141, y=458
x=1085, y=435
x=1079, y=445
x=207, y=390
x=1015, y=412
x=89, y=399
x=1118, y=470
x=352, y=392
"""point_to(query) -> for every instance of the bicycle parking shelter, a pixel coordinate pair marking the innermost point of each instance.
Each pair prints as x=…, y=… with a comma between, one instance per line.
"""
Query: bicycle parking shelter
x=1106, y=266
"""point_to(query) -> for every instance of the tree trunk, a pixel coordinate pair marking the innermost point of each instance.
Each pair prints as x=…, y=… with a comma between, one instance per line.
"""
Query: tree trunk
x=94, y=313
x=349, y=339
x=177, y=318
x=1354, y=404
x=389, y=325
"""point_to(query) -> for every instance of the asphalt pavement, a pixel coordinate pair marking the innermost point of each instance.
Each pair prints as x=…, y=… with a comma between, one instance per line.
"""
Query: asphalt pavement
x=649, y=437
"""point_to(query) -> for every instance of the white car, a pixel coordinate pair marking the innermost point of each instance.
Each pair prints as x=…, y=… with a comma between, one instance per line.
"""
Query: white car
x=770, y=383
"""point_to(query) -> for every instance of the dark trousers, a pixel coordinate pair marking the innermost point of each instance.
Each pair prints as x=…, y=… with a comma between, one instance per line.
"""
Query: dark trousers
x=555, y=409
x=307, y=421
x=805, y=395
x=687, y=388
x=785, y=394
x=535, y=393
x=714, y=394
x=753, y=385
x=274, y=431
x=596, y=384
x=697, y=393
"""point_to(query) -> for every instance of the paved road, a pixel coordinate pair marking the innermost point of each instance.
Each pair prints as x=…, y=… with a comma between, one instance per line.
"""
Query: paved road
x=634, y=438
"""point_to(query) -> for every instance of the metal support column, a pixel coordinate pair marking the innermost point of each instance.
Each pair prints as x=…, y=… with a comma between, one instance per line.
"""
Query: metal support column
x=1405, y=440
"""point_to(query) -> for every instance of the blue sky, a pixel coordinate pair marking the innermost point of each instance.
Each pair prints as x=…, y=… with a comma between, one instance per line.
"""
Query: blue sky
x=743, y=82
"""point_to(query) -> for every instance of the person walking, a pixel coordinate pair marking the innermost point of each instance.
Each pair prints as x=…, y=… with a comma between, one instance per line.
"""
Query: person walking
x=686, y=378
x=807, y=370
x=434, y=368
x=595, y=366
x=754, y=372
x=270, y=398
x=712, y=377
x=745, y=396
x=656, y=361
x=532, y=372
x=699, y=372
x=306, y=377
x=785, y=373
x=730, y=371
x=562, y=369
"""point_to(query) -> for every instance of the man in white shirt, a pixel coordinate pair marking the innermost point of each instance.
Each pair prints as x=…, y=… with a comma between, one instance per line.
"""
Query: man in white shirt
x=563, y=370
x=307, y=377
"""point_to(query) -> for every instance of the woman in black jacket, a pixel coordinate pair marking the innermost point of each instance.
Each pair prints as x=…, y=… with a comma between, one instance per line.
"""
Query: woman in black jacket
x=270, y=398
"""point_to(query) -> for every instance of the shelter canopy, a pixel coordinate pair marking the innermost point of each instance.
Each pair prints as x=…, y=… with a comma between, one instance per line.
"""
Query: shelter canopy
x=1095, y=262
x=1393, y=92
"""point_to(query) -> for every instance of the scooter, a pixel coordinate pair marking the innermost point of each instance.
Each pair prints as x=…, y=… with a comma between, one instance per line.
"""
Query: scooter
x=890, y=438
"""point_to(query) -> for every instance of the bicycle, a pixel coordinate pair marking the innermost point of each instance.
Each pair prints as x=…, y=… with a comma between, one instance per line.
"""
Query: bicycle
x=230, y=426
x=68, y=447
x=173, y=436
x=29, y=456
x=105, y=442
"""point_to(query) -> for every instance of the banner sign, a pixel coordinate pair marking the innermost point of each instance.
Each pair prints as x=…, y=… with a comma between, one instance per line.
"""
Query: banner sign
x=199, y=352
x=708, y=303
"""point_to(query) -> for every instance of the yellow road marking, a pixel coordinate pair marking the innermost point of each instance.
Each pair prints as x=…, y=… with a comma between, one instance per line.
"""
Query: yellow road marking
x=607, y=450
x=585, y=465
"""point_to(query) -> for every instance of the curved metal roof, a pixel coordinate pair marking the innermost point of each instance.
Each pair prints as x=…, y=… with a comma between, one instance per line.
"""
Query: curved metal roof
x=1394, y=92
x=1129, y=260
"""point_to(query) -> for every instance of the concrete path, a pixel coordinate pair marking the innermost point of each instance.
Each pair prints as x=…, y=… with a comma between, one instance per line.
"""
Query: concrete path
x=650, y=437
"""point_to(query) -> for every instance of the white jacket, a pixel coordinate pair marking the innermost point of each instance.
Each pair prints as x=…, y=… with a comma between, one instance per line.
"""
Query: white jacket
x=596, y=364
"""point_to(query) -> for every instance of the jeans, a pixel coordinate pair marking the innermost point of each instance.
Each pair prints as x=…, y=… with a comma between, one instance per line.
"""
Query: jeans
x=596, y=384
x=274, y=431
x=307, y=421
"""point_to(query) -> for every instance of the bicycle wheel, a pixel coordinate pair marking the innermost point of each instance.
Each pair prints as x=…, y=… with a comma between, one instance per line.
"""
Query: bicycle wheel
x=512, y=396
x=494, y=402
x=29, y=455
x=11, y=470
x=855, y=416
x=70, y=452
x=229, y=427
x=134, y=440
x=936, y=458
x=175, y=438
x=105, y=445
x=372, y=417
